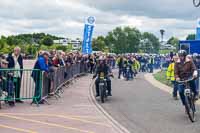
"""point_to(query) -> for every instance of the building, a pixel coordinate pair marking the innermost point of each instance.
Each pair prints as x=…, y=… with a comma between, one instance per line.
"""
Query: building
x=76, y=44
x=192, y=46
x=166, y=46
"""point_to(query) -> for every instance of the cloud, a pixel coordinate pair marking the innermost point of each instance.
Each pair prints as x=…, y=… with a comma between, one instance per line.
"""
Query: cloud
x=151, y=8
x=66, y=17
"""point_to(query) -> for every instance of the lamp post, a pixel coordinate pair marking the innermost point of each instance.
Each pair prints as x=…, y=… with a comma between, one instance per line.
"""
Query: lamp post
x=162, y=32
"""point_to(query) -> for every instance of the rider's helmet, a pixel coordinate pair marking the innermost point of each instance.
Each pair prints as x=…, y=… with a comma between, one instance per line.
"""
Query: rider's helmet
x=182, y=53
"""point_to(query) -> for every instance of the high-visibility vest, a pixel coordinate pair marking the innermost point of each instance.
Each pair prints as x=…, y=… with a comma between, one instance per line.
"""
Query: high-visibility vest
x=170, y=72
x=136, y=65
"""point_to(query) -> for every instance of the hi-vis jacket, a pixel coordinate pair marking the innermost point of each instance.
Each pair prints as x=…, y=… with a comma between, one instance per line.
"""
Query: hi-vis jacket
x=136, y=65
x=170, y=72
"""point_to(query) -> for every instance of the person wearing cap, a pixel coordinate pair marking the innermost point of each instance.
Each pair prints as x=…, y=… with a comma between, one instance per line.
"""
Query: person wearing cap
x=41, y=64
x=184, y=70
x=15, y=61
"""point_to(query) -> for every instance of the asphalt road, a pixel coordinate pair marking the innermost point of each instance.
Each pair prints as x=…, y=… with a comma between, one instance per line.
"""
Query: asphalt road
x=142, y=108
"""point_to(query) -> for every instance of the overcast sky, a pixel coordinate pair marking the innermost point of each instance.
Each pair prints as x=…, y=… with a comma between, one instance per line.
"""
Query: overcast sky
x=66, y=17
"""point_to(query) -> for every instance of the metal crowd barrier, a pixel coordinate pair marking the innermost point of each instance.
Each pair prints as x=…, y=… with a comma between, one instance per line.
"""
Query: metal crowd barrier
x=55, y=80
x=35, y=85
x=20, y=84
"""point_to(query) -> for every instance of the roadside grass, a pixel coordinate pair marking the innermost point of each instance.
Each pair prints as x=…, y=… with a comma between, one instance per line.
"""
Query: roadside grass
x=161, y=77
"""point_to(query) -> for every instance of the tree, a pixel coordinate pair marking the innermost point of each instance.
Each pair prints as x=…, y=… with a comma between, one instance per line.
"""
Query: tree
x=48, y=41
x=123, y=40
x=98, y=44
x=191, y=37
x=150, y=43
x=162, y=34
x=173, y=41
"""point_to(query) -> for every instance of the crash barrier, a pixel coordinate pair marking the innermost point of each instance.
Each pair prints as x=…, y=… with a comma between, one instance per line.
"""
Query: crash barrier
x=58, y=77
x=20, y=84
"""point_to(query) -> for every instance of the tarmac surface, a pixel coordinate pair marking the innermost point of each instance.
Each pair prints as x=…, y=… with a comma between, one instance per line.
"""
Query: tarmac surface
x=74, y=112
x=142, y=107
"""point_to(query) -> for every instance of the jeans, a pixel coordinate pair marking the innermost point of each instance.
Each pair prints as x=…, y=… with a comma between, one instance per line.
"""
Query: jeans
x=181, y=88
x=175, y=89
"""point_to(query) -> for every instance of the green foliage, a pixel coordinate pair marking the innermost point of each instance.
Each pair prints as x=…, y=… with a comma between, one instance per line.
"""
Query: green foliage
x=123, y=40
x=27, y=43
x=99, y=44
x=150, y=43
x=126, y=40
x=61, y=47
x=48, y=41
x=191, y=37
x=174, y=41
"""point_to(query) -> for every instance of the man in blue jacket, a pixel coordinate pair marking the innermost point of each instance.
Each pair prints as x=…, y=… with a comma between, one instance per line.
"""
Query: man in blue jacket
x=42, y=65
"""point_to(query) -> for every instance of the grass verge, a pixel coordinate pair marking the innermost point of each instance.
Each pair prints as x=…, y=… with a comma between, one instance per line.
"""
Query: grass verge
x=161, y=77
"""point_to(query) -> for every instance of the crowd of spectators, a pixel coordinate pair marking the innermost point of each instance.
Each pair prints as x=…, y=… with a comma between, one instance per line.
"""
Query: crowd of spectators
x=50, y=61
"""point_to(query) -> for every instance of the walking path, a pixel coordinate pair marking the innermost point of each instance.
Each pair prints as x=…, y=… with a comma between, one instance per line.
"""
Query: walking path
x=74, y=112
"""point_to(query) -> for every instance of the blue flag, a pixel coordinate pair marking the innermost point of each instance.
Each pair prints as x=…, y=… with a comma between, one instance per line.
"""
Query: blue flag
x=87, y=37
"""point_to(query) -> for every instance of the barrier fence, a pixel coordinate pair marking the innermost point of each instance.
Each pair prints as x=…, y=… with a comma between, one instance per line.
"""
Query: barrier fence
x=19, y=84
x=57, y=77
x=35, y=85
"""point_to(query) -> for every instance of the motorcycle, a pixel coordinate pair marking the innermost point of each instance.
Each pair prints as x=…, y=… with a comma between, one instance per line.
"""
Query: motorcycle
x=103, y=87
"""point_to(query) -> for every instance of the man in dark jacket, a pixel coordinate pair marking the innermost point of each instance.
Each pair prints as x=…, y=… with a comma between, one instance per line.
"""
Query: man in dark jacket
x=105, y=69
x=15, y=61
x=184, y=70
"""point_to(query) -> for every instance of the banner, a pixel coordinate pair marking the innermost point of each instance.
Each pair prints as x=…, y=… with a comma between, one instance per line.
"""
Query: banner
x=87, y=37
x=198, y=30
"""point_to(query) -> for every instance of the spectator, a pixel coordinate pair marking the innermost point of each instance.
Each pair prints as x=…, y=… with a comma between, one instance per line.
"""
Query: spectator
x=171, y=76
x=15, y=61
x=41, y=64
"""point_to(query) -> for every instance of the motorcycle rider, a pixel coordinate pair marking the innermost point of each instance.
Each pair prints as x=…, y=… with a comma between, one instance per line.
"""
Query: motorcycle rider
x=103, y=68
x=185, y=69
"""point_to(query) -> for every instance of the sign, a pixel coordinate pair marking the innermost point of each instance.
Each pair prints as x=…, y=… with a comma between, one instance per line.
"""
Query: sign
x=87, y=37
